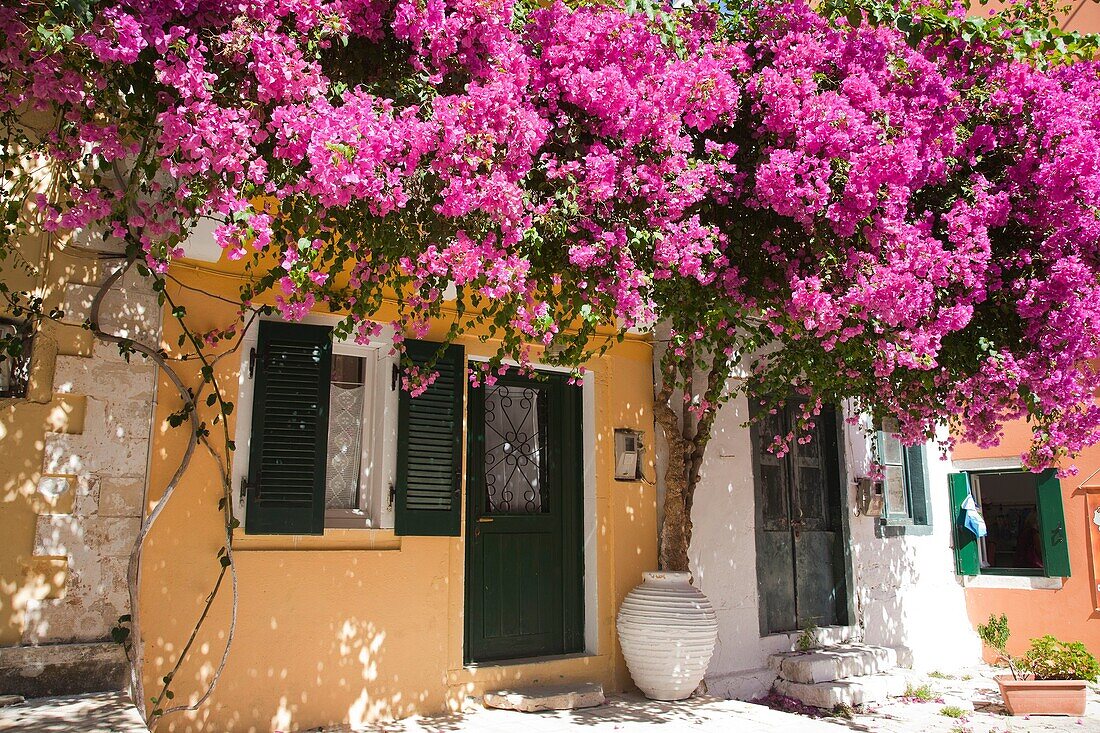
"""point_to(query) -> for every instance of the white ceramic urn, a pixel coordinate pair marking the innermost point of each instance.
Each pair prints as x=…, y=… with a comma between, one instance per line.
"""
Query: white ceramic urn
x=667, y=629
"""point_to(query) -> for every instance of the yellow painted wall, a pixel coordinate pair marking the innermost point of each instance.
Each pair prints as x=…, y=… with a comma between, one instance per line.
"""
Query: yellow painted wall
x=357, y=625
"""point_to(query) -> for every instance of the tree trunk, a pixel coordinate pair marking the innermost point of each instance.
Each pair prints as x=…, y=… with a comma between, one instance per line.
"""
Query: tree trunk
x=687, y=439
x=675, y=536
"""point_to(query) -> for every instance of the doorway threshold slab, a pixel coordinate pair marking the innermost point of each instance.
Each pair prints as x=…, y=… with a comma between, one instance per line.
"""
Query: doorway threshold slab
x=540, y=698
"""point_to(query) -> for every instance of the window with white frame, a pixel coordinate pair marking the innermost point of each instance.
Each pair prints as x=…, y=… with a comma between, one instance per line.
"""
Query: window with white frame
x=356, y=444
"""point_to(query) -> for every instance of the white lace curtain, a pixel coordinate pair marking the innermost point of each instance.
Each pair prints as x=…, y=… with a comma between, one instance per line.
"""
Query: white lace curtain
x=345, y=447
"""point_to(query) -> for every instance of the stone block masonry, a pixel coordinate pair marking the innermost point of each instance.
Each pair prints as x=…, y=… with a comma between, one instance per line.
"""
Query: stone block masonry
x=92, y=495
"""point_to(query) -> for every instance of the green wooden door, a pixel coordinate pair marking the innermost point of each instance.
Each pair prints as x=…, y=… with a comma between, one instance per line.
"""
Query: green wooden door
x=799, y=529
x=524, y=488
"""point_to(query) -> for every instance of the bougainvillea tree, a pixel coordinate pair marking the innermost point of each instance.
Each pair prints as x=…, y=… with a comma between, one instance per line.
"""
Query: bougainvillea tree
x=884, y=203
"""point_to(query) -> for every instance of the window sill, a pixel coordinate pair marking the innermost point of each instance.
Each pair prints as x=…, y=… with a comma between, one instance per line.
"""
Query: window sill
x=1006, y=463
x=885, y=529
x=332, y=540
x=528, y=661
x=1012, y=582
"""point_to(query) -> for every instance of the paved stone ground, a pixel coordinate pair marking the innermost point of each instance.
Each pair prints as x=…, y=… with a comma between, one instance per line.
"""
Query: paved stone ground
x=978, y=696
x=626, y=713
x=100, y=712
x=975, y=692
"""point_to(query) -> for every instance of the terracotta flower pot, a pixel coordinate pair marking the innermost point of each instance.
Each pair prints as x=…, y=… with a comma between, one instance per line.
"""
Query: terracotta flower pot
x=1043, y=697
x=667, y=630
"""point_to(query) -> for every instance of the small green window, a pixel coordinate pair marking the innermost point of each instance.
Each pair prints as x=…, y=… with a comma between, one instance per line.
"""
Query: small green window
x=904, y=483
x=1024, y=521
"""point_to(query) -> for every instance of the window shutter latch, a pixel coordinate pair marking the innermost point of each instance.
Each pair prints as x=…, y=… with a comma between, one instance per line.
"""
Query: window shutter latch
x=249, y=487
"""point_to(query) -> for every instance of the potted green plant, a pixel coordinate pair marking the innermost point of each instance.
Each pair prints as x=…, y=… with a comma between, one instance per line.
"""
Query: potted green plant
x=1049, y=679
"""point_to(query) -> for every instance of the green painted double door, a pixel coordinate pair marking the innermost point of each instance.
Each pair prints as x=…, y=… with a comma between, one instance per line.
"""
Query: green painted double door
x=523, y=526
x=800, y=532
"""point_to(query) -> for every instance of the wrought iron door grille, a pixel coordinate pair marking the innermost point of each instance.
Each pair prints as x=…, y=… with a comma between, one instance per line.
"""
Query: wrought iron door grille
x=515, y=449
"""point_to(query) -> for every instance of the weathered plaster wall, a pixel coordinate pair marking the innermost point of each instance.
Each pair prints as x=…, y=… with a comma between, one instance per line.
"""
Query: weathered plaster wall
x=904, y=587
x=723, y=559
x=73, y=454
x=907, y=595
x=359, y=625
x=102, y=467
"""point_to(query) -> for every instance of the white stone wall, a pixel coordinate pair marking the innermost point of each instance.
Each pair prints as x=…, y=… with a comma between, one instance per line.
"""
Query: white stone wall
x=104, y=465
x=905, y=591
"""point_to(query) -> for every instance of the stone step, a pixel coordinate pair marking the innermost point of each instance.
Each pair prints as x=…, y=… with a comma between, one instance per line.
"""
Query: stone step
x=836, y=635
x=62, y=669
x=853, y=691
x=833, y=663
x=546, y=697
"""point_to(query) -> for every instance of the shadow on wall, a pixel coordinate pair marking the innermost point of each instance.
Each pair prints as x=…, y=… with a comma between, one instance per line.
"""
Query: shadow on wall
x=21, y=444
x=313, y=661
x=906, y=593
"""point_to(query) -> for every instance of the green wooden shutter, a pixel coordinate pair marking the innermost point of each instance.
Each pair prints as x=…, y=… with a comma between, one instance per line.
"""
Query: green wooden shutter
x=916, y=482
x=429, y=447
x=288, y=451
x=966, y=544
x=889, y=512
x=1052, y=525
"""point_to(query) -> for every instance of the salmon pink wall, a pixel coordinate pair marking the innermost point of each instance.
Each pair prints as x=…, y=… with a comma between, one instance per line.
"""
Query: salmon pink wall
x=1069, y=613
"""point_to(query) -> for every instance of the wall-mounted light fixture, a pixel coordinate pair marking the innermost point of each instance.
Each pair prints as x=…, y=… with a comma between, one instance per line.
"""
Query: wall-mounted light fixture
x=629, y=449
x=869, y=497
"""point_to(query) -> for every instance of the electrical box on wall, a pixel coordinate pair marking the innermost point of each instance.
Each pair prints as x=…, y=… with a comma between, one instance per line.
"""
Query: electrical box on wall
x=869, y=497
x=628, y=454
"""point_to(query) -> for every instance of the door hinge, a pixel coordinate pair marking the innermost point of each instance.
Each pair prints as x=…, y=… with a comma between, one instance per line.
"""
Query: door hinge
x=393, y=495
x=395, y=378
x=251, y=362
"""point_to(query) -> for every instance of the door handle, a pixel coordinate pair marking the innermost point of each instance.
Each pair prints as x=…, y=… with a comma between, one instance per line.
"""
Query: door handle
x=484, y=519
